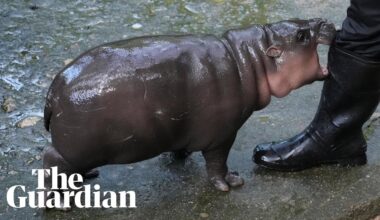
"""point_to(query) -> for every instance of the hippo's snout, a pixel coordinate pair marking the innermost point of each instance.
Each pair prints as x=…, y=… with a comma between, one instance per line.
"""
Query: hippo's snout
x=326, y=33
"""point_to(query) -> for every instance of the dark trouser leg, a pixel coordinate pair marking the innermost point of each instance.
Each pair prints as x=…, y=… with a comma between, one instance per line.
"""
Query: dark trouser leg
x=360, y=32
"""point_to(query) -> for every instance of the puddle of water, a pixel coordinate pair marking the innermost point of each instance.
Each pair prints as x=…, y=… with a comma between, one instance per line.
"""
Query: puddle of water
x=15, y=83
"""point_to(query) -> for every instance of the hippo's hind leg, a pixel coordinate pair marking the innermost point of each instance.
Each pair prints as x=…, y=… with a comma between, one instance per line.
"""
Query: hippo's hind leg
x=52, y=158
x=217, y=170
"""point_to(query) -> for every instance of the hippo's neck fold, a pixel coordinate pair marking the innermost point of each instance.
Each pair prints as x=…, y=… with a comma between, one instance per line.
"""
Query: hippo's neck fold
x=248, y=47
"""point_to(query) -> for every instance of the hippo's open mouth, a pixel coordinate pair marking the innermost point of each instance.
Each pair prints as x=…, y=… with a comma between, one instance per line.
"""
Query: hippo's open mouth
x=326, y=33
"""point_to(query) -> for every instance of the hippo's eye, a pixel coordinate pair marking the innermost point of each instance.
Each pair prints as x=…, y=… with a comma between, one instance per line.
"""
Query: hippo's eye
x=303, y=35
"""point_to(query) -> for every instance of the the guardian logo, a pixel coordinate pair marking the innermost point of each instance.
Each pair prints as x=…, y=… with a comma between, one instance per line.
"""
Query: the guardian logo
x=67, y=189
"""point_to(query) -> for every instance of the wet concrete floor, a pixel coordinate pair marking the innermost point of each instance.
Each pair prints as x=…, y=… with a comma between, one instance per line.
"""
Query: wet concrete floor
x=38, y=36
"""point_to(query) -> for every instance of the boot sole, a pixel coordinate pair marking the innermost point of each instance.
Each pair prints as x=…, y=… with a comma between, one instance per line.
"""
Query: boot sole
x=351, y=161
x=343, y=162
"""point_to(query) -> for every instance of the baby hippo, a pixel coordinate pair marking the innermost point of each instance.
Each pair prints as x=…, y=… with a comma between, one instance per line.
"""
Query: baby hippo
x=134, y=99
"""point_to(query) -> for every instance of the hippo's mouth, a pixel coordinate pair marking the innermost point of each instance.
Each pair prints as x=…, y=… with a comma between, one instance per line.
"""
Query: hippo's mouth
x=326, y=33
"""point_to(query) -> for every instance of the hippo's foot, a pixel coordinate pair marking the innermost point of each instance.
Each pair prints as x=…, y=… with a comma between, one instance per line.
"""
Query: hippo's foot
x=220, y=183
x=52, y=158
x=60, y=206
x=233, y=179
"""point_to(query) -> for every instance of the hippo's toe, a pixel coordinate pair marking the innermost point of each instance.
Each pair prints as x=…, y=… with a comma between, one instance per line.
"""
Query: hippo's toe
x=220, y=184
x=234, y=179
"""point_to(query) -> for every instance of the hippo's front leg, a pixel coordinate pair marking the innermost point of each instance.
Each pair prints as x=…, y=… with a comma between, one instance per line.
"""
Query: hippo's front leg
x=217, y=170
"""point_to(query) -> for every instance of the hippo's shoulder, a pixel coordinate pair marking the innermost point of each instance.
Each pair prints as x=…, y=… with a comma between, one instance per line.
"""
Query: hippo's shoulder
x=251, y=33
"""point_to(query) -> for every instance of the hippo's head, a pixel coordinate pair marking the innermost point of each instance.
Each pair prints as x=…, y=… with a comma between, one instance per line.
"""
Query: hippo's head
x=293, y=46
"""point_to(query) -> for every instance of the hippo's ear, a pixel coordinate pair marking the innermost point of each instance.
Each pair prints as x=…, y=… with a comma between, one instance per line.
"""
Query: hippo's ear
x=274, y=51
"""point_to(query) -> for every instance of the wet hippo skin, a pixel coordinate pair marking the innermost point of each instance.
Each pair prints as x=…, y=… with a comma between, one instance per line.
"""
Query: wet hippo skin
x=134, y=99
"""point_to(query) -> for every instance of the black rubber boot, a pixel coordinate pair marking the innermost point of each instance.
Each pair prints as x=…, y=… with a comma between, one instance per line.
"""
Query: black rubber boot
x=349, y=97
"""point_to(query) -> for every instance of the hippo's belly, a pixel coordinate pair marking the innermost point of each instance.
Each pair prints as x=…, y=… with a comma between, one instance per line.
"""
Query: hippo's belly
x=132, y=100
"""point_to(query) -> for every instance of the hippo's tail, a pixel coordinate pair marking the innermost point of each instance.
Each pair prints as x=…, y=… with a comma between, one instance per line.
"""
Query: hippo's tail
x=48, y=109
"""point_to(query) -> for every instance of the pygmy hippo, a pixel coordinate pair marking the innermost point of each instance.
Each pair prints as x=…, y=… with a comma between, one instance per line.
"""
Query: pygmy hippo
x=134, y=99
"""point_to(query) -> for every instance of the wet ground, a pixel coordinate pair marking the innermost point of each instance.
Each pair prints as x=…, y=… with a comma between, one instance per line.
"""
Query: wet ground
x=38, y=36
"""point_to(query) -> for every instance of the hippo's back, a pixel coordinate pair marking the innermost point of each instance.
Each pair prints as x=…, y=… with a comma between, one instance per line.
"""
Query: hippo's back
x=123, y=65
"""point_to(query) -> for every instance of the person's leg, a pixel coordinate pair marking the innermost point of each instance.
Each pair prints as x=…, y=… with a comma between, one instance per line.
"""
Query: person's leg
x=349, y=97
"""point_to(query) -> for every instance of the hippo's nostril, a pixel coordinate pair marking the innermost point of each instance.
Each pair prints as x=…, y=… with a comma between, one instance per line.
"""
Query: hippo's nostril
x=326, y=33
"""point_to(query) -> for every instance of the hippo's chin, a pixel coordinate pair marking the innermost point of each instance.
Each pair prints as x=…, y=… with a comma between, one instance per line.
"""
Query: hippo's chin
x=281, y=94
